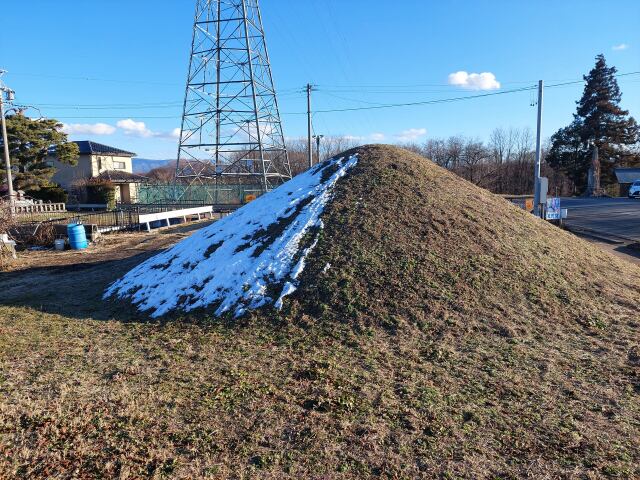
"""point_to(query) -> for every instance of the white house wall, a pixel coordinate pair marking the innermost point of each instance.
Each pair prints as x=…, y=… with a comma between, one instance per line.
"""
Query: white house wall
x=86, y=168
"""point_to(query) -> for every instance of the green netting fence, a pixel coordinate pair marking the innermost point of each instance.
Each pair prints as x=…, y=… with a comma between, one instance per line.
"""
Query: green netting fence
x=205, y=194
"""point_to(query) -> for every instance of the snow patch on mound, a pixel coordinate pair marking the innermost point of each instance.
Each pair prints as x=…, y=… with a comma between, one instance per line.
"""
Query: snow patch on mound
x=247, y=260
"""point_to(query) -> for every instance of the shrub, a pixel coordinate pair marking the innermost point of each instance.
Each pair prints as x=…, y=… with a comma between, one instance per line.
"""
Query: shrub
x=101, y=191
x=54, y=194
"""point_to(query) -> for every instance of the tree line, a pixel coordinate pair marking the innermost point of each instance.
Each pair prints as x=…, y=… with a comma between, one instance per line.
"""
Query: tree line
x=503, y=163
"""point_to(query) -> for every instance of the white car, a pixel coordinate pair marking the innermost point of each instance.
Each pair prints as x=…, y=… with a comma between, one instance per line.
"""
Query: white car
x=634, y=189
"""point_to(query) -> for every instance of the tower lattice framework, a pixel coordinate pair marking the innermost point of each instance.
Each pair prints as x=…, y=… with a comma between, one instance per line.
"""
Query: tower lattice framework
x=231, y=130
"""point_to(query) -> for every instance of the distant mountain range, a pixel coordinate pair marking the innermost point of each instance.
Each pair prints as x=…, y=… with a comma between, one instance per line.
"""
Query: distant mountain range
x=144, y=165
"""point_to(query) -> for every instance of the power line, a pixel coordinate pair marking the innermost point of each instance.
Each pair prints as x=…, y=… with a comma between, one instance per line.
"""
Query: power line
x=105, y=107
x=324, y=92
x=67, y=117
x=112, y=80
x=399, y=105
x=457, y=99
x=329, y=87
x=392, y=105
x=91, y=79
x=417, y=85
x=426, y=102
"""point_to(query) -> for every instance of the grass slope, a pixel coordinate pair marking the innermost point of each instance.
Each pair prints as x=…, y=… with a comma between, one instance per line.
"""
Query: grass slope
x=437, y=332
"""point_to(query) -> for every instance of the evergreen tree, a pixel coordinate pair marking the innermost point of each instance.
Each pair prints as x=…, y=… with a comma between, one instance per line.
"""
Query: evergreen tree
x=570, y=154
x=600, y=121
x=29, y=143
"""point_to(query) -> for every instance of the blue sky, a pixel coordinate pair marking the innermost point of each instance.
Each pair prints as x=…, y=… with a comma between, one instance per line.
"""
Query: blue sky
x=128, y=61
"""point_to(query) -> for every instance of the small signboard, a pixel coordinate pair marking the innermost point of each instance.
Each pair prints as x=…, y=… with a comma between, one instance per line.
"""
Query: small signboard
x=554, y=212
x=522, y=201
x=528, y=205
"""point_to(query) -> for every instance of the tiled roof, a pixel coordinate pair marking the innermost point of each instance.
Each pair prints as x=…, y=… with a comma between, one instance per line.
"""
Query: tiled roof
x=87, y=147
x=116, y=176
x=627, y=175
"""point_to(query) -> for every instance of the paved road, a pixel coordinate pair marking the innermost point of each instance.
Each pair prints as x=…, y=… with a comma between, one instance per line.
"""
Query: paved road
x=610, y=217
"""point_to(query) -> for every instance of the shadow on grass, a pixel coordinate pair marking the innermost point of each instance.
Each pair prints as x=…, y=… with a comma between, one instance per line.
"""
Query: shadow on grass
x=76, y=290
x=185, y=228
x=73, y=291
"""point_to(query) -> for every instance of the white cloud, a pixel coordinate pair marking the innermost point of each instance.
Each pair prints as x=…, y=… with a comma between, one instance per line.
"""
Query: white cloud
x=135, y=129
x=88, y=129
x=377, y=137
x=172, y=135
x=620, y=47
x=411, y=134
x=474, y=81
x=140, y=129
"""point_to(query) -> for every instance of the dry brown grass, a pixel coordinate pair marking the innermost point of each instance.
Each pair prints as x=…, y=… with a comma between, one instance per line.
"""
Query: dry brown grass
x=453, y=336
x=7, y=221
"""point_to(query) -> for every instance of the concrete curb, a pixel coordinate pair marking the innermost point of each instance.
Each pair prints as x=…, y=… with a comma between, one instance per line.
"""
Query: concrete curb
x=603, y=237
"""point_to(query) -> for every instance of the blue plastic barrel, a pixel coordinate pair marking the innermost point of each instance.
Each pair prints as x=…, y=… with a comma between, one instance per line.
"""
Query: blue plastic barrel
x=77, y=236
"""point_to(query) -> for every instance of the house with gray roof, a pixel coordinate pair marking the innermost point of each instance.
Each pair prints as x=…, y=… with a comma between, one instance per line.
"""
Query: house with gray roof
x=98, y=161
x=626, y=177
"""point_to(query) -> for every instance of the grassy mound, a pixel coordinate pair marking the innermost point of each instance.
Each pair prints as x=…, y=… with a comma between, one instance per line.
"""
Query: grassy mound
x=437, y=331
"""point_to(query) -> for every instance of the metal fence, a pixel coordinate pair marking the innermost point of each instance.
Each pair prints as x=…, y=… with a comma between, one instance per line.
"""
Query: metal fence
x=36, y=217
x=141, y=208
x=159, y=207
x=123, y=218
x=198, y=194
x=108, y=220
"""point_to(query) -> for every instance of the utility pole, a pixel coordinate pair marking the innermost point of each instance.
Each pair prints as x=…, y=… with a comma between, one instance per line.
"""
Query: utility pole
x=309, y=127
x=537, y=185
x=318, y=139
x=5, y=140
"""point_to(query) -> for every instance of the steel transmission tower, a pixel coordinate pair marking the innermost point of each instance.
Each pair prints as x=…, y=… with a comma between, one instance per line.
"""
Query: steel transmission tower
x=231, y=130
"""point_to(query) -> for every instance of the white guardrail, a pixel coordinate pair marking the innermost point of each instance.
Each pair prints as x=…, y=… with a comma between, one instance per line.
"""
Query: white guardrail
x=146, y=219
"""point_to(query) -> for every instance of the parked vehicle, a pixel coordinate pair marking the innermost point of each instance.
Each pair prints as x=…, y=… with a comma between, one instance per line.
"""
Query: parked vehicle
x=634, y=189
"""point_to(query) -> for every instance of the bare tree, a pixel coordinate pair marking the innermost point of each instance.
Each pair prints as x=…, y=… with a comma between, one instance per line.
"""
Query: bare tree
x=503, y=165
x=455, y=150
x=473, y=159
x=436, y=150
x=414, y=147
x=330, y=146
x=334, y=145
x=162, y=174
x=502, y=143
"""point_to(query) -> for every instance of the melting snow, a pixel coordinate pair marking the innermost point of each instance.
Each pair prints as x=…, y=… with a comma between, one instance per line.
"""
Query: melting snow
x=247, y=260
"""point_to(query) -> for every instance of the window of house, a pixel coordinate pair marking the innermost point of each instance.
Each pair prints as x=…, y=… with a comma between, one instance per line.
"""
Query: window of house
x=99, y=164
x=119, y=165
